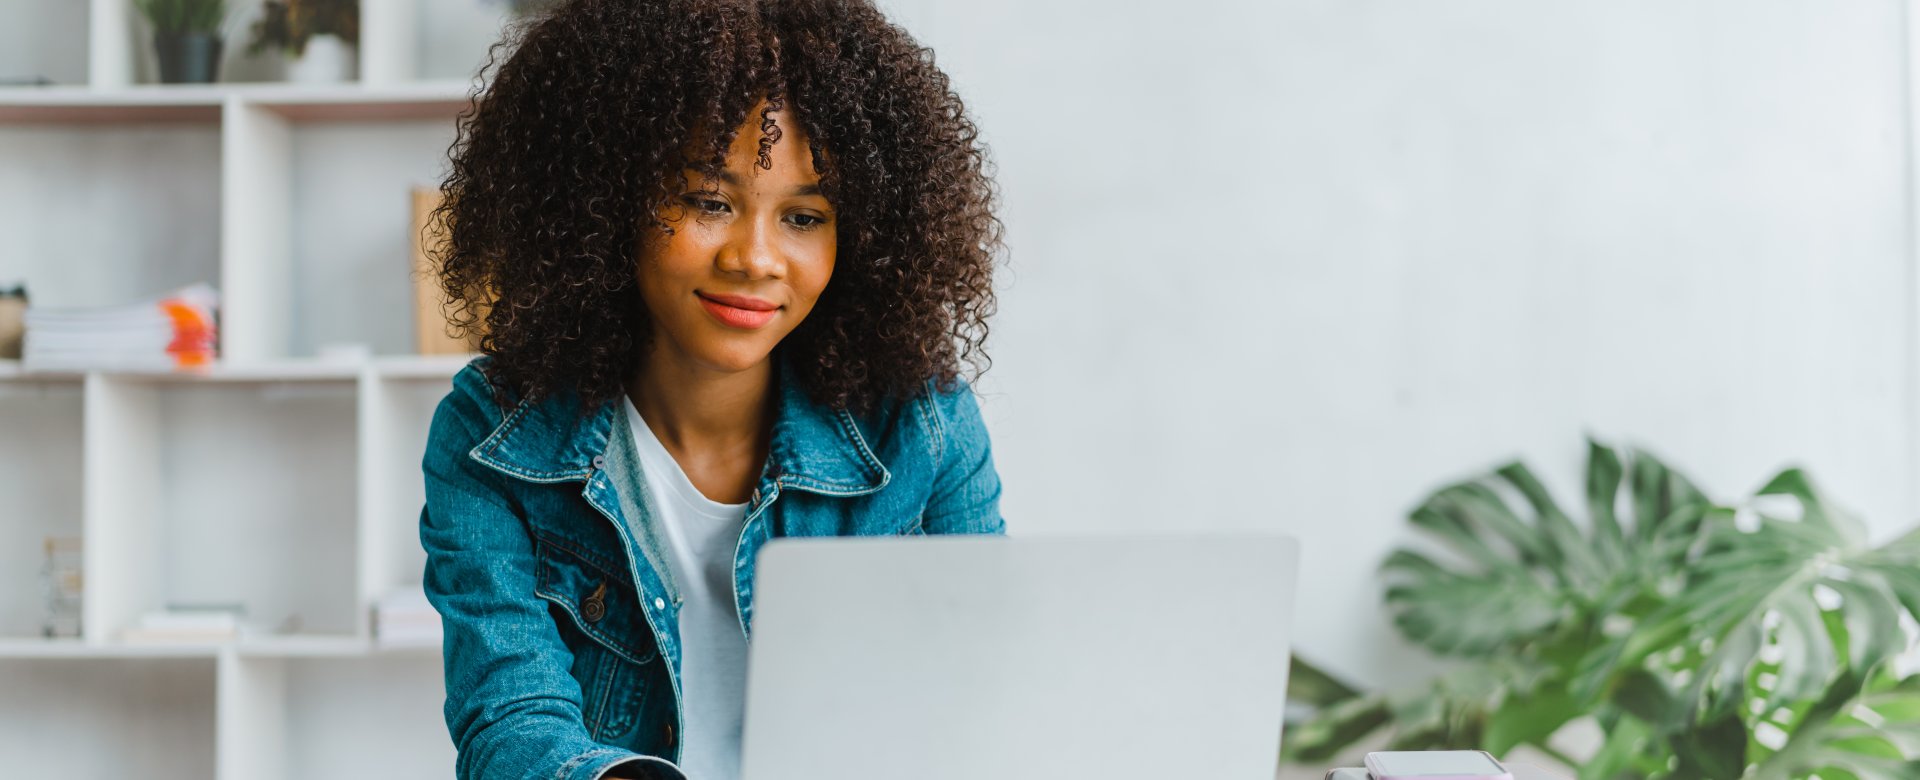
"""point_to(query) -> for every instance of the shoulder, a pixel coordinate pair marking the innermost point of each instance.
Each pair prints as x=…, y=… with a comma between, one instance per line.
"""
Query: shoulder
x=933, y=423
x=951, y=414
x=469, y=411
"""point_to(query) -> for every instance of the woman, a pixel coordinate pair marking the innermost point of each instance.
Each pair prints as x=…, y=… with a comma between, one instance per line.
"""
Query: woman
x=729, y=258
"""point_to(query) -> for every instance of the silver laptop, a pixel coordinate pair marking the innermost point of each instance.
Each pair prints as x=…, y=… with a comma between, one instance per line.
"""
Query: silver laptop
x=1043, y=658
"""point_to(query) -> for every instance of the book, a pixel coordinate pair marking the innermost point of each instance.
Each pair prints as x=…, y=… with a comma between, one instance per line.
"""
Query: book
x=429, y=299
x=177, y=330
x=168, y=625
x=404, y=618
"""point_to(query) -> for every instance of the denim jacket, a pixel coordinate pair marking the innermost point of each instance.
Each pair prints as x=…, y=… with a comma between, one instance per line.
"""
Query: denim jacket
x=562, y=651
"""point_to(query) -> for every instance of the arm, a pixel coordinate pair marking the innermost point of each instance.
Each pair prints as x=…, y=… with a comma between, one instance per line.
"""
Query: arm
x=966, y=488
x=512, y=708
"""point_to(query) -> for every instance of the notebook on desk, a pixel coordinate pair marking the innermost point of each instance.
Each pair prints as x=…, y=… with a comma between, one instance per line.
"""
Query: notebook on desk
x=957, y=658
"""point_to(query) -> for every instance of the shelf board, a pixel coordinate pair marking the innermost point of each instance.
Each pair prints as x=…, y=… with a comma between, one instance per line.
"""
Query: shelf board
x=420, y=366
x=427, y=100
x=431, y=367
x=81, y=105
x=253, y=647
x=352, y=102
x=323, y=647
x=28, y=647
x=303, y=646
x=282, y=370
x=11, y=371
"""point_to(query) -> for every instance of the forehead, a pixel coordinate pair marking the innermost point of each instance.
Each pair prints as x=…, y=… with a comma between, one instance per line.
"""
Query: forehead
x=759, y=153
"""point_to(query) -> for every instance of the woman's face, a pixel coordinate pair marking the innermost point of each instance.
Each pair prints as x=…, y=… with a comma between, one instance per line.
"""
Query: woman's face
x=750, y=251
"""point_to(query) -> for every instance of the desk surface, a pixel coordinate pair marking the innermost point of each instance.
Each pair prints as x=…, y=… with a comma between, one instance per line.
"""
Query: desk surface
x=1520, y=772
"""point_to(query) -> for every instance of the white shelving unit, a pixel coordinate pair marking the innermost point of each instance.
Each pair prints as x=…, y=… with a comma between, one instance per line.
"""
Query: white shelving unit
x=279, y=480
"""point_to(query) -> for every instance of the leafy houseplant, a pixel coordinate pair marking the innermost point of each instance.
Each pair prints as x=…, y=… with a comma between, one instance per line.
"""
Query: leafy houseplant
x=318, y=36
x=186, y=37
x=1752, y=641
x=528, y=7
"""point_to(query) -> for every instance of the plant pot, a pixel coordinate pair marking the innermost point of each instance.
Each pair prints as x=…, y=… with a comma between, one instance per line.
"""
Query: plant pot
x=187, y=58
x=326, y=60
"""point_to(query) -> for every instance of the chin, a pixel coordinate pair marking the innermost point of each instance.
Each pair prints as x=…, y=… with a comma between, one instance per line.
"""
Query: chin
x=734, y=357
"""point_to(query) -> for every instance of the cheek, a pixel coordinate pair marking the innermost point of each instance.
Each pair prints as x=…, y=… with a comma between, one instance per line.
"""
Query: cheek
x=812, y=278
x=668, y=261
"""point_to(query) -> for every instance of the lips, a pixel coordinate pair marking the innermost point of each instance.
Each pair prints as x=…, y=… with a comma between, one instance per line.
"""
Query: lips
x=738, y=311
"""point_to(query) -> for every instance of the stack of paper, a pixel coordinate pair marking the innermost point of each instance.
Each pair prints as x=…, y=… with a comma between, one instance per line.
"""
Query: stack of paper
x=175, y=331
x=404, y=618
x=184, y=626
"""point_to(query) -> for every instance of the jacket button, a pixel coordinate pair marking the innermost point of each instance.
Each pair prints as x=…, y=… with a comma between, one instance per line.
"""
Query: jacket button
x=755, y=498
x=599, y=463
x=669, y=735
x=595, y=606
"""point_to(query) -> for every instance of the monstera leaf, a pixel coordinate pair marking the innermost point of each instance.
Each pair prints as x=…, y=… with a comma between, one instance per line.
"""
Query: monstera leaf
x=1783, y=598
x=1857, y=731
x=1707, y=642
x=1521, y=592
x=1518, y=581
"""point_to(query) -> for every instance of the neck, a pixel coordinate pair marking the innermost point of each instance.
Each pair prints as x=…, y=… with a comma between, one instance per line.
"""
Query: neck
x=696, y=408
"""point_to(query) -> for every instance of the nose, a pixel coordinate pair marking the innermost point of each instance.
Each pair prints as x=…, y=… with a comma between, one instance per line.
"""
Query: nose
x=750, y=251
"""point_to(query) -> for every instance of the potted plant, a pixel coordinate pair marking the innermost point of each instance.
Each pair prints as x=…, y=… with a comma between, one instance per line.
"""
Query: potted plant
x=1761, y=640
x=527, y=7
x=186, y=38
x=319, y=37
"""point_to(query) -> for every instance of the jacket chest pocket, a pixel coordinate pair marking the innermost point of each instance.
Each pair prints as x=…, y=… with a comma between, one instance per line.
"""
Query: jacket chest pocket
x=599, y=618
x=917, y=527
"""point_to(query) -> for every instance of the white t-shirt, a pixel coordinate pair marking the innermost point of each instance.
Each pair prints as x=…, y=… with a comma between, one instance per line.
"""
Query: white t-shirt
x=713, y=651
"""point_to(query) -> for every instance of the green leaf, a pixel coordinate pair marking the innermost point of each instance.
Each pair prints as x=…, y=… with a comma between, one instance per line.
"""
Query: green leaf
x=1529, y=719
x=1816, y=510
x=1704, y=648
x=1748, y=591
x=1453, y=614
x=1567, y=547
x=1713, y=749
x=1640, y=694
x=175, y=16
x=1869, y=730
x=1627, y=740
x=1603, y=491
x=1325, y=736
x=1309, y=684
x=1479, y=509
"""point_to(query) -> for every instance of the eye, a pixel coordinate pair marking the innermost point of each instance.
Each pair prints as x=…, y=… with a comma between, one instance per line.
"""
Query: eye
x=702, y=203
x=807, y=221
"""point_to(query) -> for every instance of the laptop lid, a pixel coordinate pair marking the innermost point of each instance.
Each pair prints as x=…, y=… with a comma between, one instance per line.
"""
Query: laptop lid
x=961, y=658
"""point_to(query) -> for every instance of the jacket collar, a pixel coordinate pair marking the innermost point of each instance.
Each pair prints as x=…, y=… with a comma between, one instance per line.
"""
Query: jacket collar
x=815, y=448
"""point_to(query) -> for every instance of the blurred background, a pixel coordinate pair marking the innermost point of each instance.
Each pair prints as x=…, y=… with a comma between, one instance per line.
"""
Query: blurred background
x=1283, y=266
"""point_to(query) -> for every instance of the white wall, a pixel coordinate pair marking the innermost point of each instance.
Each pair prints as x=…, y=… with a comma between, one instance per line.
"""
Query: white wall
x=1291, y=265
x=36, y=39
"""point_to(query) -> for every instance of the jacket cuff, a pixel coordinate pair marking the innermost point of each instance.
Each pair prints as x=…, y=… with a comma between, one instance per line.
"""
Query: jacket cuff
x=596, y=764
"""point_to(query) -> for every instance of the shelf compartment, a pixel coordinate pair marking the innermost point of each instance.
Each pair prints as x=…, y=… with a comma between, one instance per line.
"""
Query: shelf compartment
x=93, y=717
x=356, y=286
x=41, y=420
x=45, y=38
x=289, y=716
x=433, y=100
x=397, y=407
x=240, y=491
x=108, y=215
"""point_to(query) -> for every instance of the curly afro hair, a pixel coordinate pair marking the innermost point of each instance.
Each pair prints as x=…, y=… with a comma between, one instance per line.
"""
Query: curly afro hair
x=565, y=161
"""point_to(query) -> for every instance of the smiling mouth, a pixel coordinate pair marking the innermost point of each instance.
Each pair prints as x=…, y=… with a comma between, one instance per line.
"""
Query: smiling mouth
x=743, y=313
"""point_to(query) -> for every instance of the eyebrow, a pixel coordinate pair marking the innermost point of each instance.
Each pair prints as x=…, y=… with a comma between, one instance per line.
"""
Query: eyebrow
x=730, y=178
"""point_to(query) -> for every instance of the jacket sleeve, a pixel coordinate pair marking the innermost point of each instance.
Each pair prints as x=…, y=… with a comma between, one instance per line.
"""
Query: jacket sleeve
x=966, y=489
x=512, y=707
